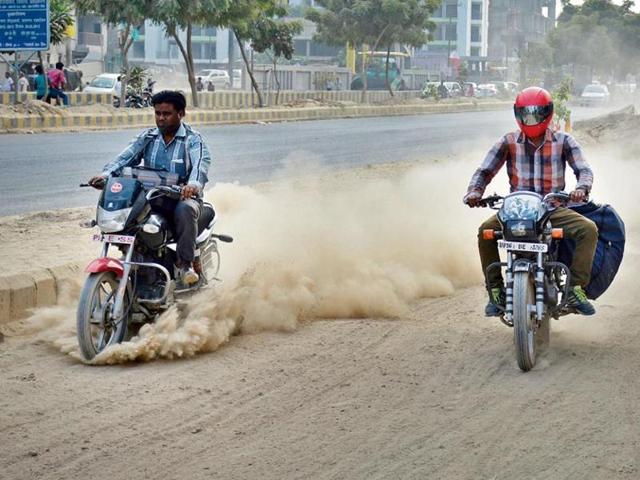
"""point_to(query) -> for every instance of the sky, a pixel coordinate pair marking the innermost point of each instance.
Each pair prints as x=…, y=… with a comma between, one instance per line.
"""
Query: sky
x=579, y=2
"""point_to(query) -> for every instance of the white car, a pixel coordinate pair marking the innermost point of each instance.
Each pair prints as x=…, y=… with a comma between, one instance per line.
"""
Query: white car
x=103, y=83
x=486, y=90
x=219, y=78
x=594, y=95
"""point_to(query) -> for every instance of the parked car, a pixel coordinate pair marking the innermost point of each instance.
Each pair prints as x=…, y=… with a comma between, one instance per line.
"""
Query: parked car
x=103, y=83
x=469, y=89
x=219, y=78
x=453, y=89
x=594, y=95
x=486, y=90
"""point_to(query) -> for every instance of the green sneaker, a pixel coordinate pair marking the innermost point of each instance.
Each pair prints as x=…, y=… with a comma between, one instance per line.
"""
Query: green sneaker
x=497, y=298
x=577, y=299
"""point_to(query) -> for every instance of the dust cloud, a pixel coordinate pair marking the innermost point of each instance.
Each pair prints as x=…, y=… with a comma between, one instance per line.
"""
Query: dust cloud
x=334, y=245
x=325, y=244
x=319, y=247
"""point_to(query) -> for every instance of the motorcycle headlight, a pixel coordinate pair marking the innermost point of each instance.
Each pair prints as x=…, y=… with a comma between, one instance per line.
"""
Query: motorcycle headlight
x=115, y=221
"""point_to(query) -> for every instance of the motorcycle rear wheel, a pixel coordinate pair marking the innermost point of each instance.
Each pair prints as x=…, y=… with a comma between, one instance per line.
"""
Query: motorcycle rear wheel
x=524, y=323
x=95, y=330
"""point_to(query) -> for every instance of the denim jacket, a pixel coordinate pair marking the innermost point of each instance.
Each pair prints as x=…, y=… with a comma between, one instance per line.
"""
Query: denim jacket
x=187, y=155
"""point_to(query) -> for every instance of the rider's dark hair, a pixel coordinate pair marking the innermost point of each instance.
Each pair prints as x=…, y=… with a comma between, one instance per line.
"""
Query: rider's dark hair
x=173, y=97
x=39, y=69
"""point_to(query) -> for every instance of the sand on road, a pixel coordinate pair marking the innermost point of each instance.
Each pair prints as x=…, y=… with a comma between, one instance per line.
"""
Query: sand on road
x=363, y=351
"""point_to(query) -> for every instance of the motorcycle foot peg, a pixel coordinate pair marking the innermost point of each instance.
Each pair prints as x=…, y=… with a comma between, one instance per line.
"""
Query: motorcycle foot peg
x=223, y=238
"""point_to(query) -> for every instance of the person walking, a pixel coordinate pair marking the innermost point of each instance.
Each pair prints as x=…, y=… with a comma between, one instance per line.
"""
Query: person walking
x=23, y=83
x=41, y=84
x=56, y=83
x=7, y=85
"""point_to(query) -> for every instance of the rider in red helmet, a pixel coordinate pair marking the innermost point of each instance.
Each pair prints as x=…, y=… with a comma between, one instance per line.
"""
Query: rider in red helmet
x=536, y=158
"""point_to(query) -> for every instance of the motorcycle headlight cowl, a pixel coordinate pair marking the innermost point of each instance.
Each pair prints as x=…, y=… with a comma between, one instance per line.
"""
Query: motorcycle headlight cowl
x=111, y=222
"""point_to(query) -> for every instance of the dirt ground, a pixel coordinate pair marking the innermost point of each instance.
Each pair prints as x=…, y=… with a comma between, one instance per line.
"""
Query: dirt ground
x=362, y=352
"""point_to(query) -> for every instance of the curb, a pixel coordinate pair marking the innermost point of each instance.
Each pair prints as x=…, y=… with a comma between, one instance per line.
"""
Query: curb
x=36, y=123
x=24, y=291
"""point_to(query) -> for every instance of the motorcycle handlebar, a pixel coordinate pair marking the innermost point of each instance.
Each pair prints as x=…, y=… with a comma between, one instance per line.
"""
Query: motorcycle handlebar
x=490, y=201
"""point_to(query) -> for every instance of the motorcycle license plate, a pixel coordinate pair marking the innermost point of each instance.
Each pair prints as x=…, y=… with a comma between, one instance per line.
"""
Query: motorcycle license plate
x=126, y=239
x=523, y=246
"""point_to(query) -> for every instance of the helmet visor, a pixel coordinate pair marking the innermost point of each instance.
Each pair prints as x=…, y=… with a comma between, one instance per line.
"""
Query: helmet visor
x=533, y=114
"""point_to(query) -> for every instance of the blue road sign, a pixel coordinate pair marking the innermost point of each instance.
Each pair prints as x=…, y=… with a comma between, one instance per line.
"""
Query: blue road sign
x=24, y=25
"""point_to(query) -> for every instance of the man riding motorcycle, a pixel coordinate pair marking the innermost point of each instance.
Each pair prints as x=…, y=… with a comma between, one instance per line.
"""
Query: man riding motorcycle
x=175, y=148
x=536, y=159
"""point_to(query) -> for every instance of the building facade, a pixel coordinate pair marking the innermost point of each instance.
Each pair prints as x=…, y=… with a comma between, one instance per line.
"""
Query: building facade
x=461, y=35
x=515, y=24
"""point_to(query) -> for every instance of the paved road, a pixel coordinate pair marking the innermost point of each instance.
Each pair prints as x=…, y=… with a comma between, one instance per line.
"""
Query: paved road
x=42, y=172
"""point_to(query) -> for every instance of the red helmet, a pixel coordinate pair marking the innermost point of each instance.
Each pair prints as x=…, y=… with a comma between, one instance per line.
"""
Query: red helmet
x=534, y=111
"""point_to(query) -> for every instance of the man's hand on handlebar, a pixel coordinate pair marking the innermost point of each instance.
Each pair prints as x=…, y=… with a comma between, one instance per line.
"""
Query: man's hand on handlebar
x=189, y=191
x=98, y=181
x=472, y=199
x=578, y=195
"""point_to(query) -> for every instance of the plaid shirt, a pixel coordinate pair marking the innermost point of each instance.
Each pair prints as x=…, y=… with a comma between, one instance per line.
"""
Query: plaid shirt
x=532, y=169
x=149, y=147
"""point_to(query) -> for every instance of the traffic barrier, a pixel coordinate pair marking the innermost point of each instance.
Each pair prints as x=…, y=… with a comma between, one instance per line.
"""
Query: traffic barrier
x=135, y=118
x=229, y=99
x=75, y=98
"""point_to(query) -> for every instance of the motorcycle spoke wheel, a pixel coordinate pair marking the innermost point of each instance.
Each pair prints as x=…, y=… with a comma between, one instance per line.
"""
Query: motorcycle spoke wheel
x=524, y=322
x=95, y=328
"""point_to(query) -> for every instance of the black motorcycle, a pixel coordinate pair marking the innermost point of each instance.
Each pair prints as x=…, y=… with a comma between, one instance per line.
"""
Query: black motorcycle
x=123, y=292
x=537, y=284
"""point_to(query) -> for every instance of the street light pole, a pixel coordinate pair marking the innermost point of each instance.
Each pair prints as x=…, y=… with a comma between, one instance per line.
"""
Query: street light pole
x=449, y=48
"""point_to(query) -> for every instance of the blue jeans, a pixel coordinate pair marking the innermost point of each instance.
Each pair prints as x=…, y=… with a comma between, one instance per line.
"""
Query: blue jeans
x=57, y=93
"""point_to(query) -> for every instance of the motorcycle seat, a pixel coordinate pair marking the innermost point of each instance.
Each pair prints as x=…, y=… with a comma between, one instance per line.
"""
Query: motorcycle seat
x=207, y=217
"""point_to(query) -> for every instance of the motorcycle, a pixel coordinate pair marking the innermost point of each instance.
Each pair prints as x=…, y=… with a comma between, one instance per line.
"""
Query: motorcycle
x=122, y=294
x=537, y=284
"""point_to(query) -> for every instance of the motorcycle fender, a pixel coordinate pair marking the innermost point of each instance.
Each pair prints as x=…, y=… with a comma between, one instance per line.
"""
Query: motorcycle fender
x=106, y=264
x=521, y=267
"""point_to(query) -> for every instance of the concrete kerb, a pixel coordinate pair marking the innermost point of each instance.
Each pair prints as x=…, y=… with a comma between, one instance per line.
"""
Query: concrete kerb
x=126, y=119
x=22, y=292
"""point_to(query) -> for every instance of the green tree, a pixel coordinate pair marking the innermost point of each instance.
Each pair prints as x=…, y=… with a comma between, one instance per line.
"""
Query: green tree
x=274, y=36
x=561, y=96
x=403, y=22
x=250, y=21
x=127, y=15
x=182, y=16
x=599, y=34
x=536, y=61
x=60, y=18
x=373, y=23
x=346, y=22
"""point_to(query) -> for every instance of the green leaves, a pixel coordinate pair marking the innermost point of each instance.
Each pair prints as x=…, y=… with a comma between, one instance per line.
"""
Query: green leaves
x=373, y=21
x=599, y=34
x=60, y=19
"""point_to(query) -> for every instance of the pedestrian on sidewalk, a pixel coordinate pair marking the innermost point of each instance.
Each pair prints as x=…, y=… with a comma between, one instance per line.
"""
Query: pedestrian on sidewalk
x=41, y=84
x=23, y=83
x=7, y=85
x=56, y=84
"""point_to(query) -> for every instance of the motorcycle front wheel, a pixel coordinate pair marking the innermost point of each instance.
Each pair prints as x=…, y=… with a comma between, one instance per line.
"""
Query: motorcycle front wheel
x=524, y=322
x=96, y=329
